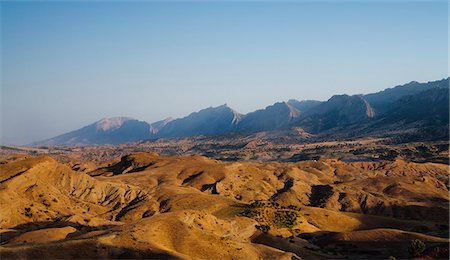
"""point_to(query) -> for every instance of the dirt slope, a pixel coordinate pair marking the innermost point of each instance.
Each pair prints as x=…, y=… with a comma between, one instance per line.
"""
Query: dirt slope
x=152, y=206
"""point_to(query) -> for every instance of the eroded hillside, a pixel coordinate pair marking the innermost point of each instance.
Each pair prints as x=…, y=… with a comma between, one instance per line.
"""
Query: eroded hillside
x=146, y=205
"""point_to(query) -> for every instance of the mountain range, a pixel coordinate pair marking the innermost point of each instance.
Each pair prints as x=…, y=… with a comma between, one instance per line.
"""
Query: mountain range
x=410, y=106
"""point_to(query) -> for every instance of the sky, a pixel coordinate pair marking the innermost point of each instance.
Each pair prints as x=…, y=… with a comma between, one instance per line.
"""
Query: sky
x=68, y=64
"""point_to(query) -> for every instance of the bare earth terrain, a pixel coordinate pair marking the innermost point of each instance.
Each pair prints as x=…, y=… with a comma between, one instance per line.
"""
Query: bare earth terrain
x=262, y=199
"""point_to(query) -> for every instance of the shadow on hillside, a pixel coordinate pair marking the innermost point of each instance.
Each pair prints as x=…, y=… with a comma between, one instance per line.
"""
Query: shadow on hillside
x=33, y=226
x=429, y=221
x=321, y=245
x=82, y=250
x=73, y=246
x=372, y=249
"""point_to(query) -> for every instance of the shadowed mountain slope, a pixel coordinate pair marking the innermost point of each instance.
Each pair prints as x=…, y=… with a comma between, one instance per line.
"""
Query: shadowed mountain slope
x=272, y=117
x=156, y=126
x=420, y=117
x=382, y=100
x=209, y=121
x=303, y=105
x=339, y=110
x=430, y=106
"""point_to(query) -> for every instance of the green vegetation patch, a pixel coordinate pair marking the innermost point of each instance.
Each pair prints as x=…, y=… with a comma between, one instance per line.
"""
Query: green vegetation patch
x=271, y=214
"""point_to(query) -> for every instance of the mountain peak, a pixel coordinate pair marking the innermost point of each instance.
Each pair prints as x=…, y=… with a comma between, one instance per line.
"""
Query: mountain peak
x=272, y=117
x=303, y=105
x=339, y=110
x=339, y=97
x=156, y=126
x=111, y=123
x=113, y=130
x=223, y=106
x=208, y=121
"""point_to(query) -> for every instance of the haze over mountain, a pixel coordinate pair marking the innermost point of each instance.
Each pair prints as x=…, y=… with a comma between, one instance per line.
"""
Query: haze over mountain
x=272, y=117
x=113, y=130
x=156, y=126
x=381, y=100
x=209, y=121
x=409, y=104
x=311, y=159
x=423, y=116
x=430, y=106
x=339, y=110
x=303, y=105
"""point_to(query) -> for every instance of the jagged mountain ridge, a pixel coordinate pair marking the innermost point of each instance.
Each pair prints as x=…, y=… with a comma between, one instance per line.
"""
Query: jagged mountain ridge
x=340, y=111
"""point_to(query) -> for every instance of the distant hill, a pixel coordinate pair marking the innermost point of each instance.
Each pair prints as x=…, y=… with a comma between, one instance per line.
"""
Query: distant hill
x=114, y=130
x=209, y=121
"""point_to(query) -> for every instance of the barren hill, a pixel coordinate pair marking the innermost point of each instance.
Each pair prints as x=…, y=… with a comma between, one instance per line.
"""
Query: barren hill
x=155, y=206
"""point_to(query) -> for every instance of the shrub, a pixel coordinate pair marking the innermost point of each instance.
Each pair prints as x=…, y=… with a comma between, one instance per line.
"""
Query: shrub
x=285, y=219
x=263, y=228
x=247, y=213
x=293, y=207
x=28, y=212
x=416, y=248
x=257, y=204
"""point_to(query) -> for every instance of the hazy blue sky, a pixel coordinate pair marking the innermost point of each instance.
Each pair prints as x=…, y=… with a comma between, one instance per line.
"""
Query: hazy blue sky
x=68, y=64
